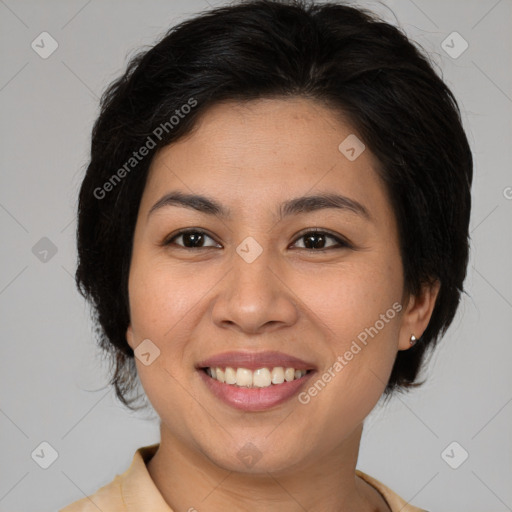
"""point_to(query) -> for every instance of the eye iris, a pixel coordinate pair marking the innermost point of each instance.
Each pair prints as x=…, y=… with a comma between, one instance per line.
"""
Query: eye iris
x=311, y=245
x=192, y=237
x=312, y=240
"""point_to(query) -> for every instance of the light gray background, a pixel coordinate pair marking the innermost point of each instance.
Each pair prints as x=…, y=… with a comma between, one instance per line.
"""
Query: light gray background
x=52, y=381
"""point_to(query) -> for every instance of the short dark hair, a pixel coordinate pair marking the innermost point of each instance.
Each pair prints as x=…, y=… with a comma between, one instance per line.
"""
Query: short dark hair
x=349, y=59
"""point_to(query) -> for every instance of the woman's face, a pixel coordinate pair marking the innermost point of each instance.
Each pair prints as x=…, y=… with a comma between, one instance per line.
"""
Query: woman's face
x=251, y=286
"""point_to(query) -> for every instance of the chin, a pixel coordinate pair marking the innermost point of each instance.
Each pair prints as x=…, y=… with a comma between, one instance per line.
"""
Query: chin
x=257, y=455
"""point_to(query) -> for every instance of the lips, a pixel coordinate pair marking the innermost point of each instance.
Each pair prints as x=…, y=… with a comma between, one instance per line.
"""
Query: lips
x=255, y=360
x=255, y=398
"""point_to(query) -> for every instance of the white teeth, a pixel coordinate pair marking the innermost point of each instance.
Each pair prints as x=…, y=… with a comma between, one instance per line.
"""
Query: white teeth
x=260, y=378
x=243, y=377
x=230, y=376
x=278, y=375
x=289, y=374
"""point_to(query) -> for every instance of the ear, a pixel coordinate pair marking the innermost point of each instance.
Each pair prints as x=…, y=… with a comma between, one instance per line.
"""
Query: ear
x=417, y=314
x=130, y=337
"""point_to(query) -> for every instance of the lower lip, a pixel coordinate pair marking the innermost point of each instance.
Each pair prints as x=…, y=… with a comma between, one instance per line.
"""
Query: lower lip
x=254, y=399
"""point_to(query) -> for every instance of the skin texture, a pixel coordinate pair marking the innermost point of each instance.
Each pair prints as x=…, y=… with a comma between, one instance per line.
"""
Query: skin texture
x=310, y=303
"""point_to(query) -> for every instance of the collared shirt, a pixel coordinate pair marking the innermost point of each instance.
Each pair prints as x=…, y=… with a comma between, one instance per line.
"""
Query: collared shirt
x=135, y=491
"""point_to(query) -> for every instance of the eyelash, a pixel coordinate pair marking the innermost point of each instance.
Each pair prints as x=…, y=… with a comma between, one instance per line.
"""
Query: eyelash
x=342, y=242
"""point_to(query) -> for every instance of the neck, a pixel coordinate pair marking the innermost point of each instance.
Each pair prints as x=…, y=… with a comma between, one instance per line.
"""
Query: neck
x=188, y=480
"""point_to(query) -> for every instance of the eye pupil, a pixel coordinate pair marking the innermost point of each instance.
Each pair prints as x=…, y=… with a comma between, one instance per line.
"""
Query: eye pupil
x=193, y=237
x=312, y=236
x=312, y=240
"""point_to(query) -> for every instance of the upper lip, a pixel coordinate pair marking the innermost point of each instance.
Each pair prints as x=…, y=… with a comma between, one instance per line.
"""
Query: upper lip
x=255, y=360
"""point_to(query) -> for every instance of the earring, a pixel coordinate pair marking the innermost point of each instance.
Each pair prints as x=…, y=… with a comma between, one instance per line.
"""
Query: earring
x=413, y=340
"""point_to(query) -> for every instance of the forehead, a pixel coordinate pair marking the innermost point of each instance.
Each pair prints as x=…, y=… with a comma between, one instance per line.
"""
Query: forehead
x=264, y=150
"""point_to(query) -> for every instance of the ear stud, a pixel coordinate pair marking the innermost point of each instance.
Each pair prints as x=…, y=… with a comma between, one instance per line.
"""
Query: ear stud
x=413, y=340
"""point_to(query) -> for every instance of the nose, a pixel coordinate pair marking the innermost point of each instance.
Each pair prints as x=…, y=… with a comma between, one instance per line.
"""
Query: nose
x=254, y=297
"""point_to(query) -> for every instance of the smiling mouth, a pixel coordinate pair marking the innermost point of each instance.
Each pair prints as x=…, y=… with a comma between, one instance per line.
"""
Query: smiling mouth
x=259, y=378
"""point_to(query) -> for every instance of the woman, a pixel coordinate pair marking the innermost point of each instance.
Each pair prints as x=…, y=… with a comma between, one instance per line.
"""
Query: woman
x=273, y=230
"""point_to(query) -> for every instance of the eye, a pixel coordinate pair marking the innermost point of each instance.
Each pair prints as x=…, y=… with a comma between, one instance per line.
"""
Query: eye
x=190, y=239
x=316, y=239
x=313, y=239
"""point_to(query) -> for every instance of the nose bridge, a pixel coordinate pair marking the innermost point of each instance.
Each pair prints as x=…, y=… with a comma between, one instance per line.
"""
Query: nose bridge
x=254, y=295
x=252, y=270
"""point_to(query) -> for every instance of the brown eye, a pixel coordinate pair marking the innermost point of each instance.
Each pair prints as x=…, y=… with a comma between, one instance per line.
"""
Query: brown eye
x=191, y=239
x=317, y=240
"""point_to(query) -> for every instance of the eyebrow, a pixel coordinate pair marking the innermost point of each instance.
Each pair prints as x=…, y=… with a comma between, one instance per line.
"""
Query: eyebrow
x=294, y=206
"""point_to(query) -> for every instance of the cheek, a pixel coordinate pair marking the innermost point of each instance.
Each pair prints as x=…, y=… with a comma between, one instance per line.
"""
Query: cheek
x=161, y=297
x=353, y=298
x=162, y=310
x=358, y=310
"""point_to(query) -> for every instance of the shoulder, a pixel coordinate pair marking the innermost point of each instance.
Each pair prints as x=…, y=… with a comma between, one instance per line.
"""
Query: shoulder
x=394, y=501
x=134, y=486
x=108, y=497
